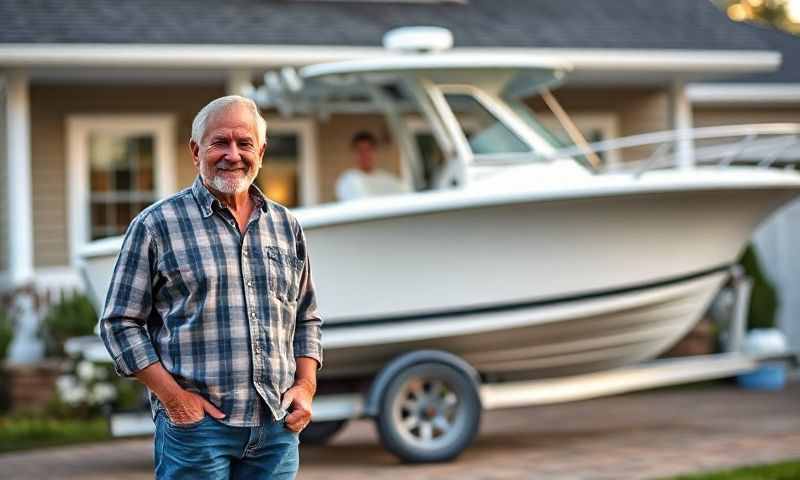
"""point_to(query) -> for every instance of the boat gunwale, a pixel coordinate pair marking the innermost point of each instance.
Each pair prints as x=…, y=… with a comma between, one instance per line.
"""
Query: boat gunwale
x=433, y=202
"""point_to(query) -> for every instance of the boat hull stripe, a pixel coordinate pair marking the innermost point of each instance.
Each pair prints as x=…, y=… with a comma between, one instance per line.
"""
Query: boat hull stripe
x=349, y=323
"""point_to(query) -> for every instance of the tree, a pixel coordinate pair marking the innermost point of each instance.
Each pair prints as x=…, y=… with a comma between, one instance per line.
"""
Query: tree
x=782, y=14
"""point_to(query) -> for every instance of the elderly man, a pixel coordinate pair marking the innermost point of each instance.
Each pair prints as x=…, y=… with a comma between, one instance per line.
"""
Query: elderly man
x=212, y=307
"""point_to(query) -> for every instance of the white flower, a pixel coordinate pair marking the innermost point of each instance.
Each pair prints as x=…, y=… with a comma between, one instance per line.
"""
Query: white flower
x=69, y=390
x=85, y=370
x=66, y=382
x=74, y=396
x=103, y=393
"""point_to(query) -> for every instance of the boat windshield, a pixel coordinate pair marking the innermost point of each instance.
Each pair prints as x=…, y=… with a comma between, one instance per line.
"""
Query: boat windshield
x=486, y=134
x=526, y=114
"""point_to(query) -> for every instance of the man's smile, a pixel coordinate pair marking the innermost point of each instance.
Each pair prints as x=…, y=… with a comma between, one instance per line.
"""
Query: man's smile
x=224, y=166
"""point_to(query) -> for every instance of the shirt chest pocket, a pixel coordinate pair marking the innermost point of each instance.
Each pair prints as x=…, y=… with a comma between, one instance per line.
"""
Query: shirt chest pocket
x=284, y=273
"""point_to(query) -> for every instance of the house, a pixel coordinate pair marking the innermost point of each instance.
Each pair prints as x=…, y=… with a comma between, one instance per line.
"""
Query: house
x=99, y=95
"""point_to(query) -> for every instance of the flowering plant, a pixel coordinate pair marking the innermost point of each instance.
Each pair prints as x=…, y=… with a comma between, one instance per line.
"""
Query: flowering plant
x=90, y=386
x=86, y=385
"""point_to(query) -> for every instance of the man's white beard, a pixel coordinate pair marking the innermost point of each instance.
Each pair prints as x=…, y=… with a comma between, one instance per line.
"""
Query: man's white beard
x=228, y=185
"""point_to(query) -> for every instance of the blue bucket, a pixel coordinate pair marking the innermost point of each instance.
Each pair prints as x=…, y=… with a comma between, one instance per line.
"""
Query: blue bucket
x=769, y=376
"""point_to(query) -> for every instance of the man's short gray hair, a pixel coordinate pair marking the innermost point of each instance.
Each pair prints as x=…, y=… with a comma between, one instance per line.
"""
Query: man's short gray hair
x=201, y=119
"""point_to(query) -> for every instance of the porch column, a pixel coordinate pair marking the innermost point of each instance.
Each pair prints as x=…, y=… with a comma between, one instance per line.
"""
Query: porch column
x=682, y=124
x=25, y=346
x=18, y=180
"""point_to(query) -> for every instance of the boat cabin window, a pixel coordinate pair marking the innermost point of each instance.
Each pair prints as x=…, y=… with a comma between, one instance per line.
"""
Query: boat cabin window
x=487, y=135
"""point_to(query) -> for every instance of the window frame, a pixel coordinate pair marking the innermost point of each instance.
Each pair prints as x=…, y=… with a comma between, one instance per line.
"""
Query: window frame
x=606, y=122
x=307, y=163
x=496, y=107
x=79, y=129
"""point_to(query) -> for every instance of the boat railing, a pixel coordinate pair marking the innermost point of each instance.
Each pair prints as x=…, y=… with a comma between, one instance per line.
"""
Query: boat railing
x=764, y=145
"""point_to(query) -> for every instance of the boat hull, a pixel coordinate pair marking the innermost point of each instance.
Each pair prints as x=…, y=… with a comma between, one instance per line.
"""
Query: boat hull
x=535, y=341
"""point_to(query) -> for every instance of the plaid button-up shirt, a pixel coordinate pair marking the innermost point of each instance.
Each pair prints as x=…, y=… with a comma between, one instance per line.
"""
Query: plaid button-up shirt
x=225, y=312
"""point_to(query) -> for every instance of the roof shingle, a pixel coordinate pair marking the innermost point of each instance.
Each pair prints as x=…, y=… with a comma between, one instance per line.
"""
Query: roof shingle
x=624, y=24
x=789, y=46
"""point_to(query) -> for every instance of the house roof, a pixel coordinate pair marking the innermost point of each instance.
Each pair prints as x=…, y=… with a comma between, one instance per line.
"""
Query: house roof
x=621, y=24
x=789, y=47
x=781, y=87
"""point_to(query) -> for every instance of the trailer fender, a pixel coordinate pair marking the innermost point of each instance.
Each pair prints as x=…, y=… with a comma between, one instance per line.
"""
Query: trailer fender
x=406, y=360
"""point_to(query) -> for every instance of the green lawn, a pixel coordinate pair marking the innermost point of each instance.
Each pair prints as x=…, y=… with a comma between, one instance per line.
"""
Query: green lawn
x=778, y=471
x=25, y=433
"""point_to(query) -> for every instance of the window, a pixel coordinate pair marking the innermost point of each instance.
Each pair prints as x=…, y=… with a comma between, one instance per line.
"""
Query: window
x=490, y=135
x=117, y=165
x=121, y=180
x=289, y=174
x=278, y=178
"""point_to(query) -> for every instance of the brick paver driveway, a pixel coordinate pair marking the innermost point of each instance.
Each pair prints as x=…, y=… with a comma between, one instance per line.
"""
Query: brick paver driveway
x=644, y=435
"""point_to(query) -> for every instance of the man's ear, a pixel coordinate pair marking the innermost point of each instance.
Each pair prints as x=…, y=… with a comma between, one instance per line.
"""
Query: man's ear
x=262, y=150
x=195, y=149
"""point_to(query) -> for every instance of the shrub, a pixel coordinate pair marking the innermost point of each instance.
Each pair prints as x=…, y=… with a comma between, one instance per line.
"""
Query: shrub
x=6, y=333
x=764, y=297
x=72, y=316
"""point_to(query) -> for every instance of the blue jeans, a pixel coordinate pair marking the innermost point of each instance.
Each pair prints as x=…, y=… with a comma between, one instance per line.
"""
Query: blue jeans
x=211, y=450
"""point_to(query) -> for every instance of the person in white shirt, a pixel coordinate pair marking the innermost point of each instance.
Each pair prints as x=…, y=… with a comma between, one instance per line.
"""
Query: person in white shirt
x=366, y=180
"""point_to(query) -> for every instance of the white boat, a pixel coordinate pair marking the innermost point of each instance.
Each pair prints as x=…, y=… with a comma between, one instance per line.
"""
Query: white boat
x=515, y=254
x=549, y=282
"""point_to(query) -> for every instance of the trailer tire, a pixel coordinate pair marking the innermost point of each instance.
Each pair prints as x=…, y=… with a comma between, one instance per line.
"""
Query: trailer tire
x=428, y=412
x=319, y=433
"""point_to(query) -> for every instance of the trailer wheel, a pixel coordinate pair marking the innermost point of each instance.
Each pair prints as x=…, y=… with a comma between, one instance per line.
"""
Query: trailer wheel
x=319, y=433
x=429, y=412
